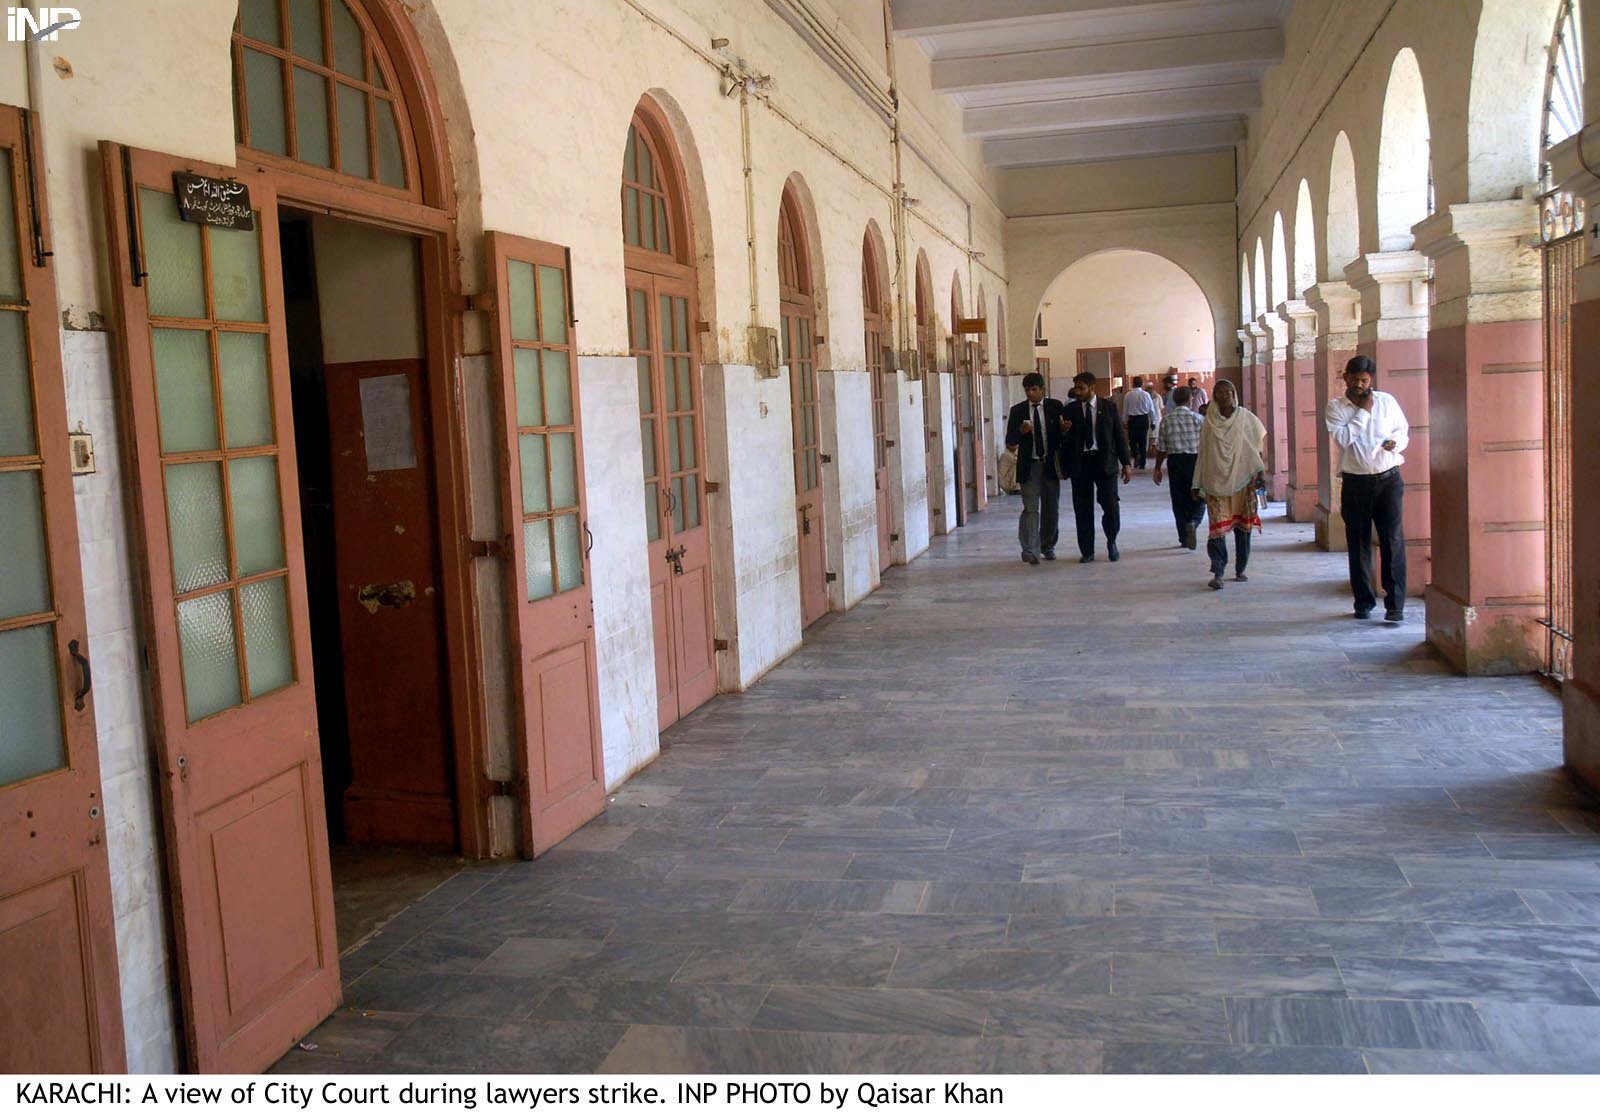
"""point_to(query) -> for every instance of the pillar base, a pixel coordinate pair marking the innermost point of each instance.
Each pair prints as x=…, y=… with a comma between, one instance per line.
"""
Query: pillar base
x=1493, y=639
x=1329, y=525
x=1302, y=503
x=1580, y=740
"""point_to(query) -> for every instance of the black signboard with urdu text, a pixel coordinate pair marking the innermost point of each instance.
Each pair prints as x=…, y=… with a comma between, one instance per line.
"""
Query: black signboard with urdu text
x=219, y=202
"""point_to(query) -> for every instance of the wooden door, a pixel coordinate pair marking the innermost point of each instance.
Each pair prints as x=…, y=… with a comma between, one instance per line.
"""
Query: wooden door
x=672, y=439
x=806, y=412
x=206, y=382
x=930, y=430
x=58, y=957
x=878, y=377
x=562, y=784
x=1106, y=363
x=977, y=383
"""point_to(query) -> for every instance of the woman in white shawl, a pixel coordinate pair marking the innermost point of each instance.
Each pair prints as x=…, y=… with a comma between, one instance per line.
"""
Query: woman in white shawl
x=1226, y=476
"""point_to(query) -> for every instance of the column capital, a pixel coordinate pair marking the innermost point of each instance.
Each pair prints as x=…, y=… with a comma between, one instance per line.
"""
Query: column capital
x=1394, y=294
x=1260, y=341
x=1338, y=309
x=1276, y=330
x=1486, y=262
x=1300, y=320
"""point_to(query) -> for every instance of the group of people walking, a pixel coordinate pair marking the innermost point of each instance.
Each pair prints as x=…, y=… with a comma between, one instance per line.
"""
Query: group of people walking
x=1210, y=452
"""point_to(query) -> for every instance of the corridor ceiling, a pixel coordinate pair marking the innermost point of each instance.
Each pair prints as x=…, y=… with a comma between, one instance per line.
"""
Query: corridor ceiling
x=1044, y=82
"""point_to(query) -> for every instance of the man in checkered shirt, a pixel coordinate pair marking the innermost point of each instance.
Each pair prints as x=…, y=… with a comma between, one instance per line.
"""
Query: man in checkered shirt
x=1177, y=448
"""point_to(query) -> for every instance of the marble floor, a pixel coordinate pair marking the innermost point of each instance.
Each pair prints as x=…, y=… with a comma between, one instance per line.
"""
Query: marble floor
x=1002, y=818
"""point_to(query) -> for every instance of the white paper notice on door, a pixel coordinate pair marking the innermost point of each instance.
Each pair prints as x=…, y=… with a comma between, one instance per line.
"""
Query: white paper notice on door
x=386, y=423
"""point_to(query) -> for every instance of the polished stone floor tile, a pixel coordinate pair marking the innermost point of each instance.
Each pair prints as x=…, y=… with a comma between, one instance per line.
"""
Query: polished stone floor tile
x=819, y=964
x=1139, y=975
x=1331, y=1022
x=1423, y=979
x=465, y=1046
x=1183, y=1019
x=899, y=1011
x=1177, y=1058
x=1001, y=969
x=706, y=1051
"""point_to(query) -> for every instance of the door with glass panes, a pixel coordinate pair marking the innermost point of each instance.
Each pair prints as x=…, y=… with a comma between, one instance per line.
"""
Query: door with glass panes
x=798, y=319
x=562, y=780
x=873, y=341
x=671, y=435
x=61, y=1009
x=206, y=376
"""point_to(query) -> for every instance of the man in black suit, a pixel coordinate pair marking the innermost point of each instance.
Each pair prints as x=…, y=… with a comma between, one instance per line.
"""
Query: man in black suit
x=1035, y=429
x=1096, y=450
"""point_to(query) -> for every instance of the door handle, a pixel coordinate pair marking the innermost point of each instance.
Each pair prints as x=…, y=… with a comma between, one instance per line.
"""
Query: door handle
x=805, y=521
x=84, y=672
x=588, y=539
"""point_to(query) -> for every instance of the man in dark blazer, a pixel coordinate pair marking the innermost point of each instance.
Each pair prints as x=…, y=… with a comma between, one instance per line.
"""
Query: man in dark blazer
x=1036, y=429
x=1096, y=450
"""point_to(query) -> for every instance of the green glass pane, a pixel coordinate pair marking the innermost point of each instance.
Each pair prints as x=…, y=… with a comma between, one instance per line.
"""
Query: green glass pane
x=268, y=654
x=553, y=304
x=236, y=273
x=535, y=484
x=639, y=318
x=258, y=19
x=557, y=388
x=569, y=552
x=238, y=84
x=652, y=511
x=305, y=29
x=391, y=161
x=630, y=216
x=377, y=76
x=16, y=388
x=194, y=525
x=647, y=221
x=530, y=398
x=647, y=445
x=680, y=315
x=257, y=515
x=311, y=118
x=246, y=388
x=31, y=739
x=263, y=83
x=647, y=173
x=353, y=157
x=669, y=383
x=25, y=584
x=348, y=44
x=674, y=457
x=667, y=338
x=663, y=233
x=10, y=245
x=691, y=502
x=175, y=278
x=184, y=396
x=541, y=577
x=630, y=160
x=647, y=400
x=686, y=441
x=677, y=505
x=680, y=370
x=563, y=470
x=210, y=656
x=524, y=304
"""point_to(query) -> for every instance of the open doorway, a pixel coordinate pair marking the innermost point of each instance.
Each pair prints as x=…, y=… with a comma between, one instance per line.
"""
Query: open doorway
x=368, y=505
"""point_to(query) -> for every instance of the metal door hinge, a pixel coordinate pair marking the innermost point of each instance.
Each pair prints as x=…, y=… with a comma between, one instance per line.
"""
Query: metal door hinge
x=831, y=577
x=496, y=547
x=826, y=459
x=894, y=537
x=888, y=443
x=472, y=303
x=491, y=788
x=719, y=644
x=713, y=488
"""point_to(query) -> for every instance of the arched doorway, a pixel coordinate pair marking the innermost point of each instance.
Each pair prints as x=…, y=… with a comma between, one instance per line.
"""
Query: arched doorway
x=932, y=396
x=876, y=345
x=662, y=311
x=300, y=479
x=965, y=366
x=797, y=307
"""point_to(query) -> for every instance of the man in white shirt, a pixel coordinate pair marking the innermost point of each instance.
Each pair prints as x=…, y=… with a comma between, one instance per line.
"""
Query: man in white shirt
x=1371, y=432
x=1197, y=393
x=1140, y=410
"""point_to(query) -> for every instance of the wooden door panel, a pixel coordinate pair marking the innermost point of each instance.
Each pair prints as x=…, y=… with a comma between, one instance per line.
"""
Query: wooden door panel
x=545, y=507
x=230, y=656
x=59, y=994
x=661, y=622
x=697, y=659
x=47, y=1025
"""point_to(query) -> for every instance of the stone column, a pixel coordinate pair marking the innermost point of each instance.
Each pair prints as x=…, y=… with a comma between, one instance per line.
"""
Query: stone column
x=1338, y=310
x=1486, y=412
x=1393, y=286
x=1246, y=368
x=1300, y=323
x=1273, y=409
x=1580, y=693
x=1255, y=370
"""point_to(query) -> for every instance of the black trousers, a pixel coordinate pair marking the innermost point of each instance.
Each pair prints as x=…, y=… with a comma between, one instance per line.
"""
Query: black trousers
x=1138, y=438
x=1374, y=502
x=1091, y=484
x=1217, y=550
x=1186, y=509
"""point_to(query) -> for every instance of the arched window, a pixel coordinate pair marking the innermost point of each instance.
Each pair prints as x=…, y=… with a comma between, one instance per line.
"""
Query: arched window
x=1561, y=214
x=313, y=83
x=646, y=207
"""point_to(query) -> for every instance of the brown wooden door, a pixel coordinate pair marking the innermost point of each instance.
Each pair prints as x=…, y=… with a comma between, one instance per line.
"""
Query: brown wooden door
x=206, y=378
x=876, y=362
x=806, y=412
x=557, y=694
x=672, y=440
x=977, y=385
x=58, y=956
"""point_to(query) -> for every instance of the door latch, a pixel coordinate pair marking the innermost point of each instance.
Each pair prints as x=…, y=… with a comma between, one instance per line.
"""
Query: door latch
x=675, y=558
x=805, y=521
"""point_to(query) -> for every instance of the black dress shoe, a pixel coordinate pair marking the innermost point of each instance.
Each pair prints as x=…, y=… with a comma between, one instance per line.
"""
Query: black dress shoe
x=1364, y=613
x=1049, y=554
x=1029, y=558
x=1086, y=558
x=1394, y=616
x=1189, y=541
x=1111, y=551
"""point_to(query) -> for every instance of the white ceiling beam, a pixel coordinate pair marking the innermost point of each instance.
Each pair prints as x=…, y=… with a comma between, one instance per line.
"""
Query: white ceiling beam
x=1119, y=109
x=1103, y=146
x=926, y=17
x=1068, y=63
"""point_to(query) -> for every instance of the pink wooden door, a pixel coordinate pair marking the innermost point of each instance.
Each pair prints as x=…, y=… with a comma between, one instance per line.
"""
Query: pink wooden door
x=977, y=388
x=806, y=412
x=672, y=438
x=880, y=439
x=552, y=637
x=58, y=956
x=206, y=376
